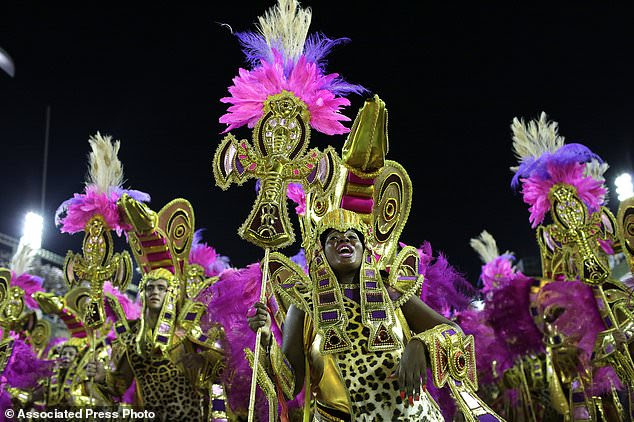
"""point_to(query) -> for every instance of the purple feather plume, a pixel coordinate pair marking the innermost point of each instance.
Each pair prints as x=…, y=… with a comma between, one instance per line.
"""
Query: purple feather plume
x=445, y=290
x=507, y=312
x=567, y=154
x=24, y=369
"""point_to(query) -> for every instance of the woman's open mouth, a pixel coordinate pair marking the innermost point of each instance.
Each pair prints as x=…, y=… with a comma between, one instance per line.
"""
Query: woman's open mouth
x=345, y=251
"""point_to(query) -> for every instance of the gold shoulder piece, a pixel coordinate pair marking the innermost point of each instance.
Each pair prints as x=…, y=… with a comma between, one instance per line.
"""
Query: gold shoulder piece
x=404, y=275
x=290, y=283
x=189, y=320
x=121, y=324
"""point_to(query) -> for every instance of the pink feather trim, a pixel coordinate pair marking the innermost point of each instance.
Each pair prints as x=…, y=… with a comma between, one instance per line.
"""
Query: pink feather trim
x=535, y=189
x=131, y=309
x=83, y=206
x=30, y=284
x=295, y=193
x=251, y=89
x=497, y=273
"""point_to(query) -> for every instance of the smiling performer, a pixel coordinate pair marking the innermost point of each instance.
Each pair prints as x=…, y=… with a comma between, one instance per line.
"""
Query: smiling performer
x=357, y=335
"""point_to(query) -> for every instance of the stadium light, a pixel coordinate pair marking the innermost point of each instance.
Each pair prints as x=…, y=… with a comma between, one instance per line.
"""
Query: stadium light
x=32, y=231
x=624, y=188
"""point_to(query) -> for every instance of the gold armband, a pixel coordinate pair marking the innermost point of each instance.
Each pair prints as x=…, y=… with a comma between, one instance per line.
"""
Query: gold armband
x=282, y=370
x=452, y=356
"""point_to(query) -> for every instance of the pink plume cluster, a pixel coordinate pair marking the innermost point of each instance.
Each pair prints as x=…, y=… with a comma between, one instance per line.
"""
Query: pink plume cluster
x=30, y=284
x=295, y=193
x=131, y=309
x=251, y=88
x=206, y=256
x=497, y=273
x=83, y=206
x=535, y=189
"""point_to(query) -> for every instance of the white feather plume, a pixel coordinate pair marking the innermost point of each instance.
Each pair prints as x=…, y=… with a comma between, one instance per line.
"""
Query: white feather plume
x=287, y=24
x=104, y=168
x=596, y=170
x=22, y=260
x=535, y=138
x=486, y=247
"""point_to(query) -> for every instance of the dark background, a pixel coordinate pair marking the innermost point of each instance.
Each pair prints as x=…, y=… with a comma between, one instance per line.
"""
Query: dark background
x=453, y=77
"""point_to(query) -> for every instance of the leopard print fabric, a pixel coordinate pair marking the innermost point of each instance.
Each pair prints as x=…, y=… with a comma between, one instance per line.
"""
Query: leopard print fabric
x=373, y=396
x=163, y=387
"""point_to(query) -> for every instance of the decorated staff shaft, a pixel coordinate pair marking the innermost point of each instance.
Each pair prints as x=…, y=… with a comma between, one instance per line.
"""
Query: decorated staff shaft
x=278, y=156
x=258, y=337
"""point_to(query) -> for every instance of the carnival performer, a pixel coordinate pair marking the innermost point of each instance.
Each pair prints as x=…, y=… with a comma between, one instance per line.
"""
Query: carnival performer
x=574, y=303
x=175, y=363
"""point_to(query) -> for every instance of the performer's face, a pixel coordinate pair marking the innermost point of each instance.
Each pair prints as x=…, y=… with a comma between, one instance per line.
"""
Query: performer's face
x=344, y=250
x=67, y=356
x=155, y=294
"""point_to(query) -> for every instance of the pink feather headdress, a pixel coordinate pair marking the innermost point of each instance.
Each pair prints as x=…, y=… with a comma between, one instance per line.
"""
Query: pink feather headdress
x=283, y=58
x=103, y=190
x=546, y=161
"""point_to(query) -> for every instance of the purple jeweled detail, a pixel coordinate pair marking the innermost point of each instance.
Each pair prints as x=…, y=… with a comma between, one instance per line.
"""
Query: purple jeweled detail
x=324, y=282
x=161, y=338
x=487, y=418
x=164, y=328
x=321, y=272
x=167, y=315
x=352, y=294
x=374, y=298
x=450, y=331
x=368, y=259
x=218, y=405
x=288, y=286
x=369, y=273
x=371, y=284
x=608, y=322
x=578, y=397
x=202, y=338
x=327, y=297
x=407, y=277
x=380, y=314
x=190, y=316
x=329, y=315
x=120, y=329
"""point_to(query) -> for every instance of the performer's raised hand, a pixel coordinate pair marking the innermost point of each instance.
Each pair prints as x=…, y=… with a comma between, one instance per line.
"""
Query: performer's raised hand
x=412, y=368
x=96, y=370
x=259, y=317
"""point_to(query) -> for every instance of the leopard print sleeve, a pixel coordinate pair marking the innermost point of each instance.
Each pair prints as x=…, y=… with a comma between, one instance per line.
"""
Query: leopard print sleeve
x=404, y=280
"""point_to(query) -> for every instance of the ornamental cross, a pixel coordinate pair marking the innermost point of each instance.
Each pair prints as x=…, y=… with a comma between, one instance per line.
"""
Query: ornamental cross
x=276, y=157
x=94, y=266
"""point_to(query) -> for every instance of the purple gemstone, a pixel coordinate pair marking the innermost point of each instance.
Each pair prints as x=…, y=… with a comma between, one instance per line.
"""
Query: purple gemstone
x=322, y=271
x=190, y=316
x=407, y=277
x=371, y=284
x=369, y=273
x=380, y=314
x=120, y=329
x=608, y=321
x=451, y=331
x=167, y=315
x=161, y=338
x=374, y=298
x=202, y=338
x=578, y=397
x=329, y=315
x=328, y=297
x=288, y=286
x=487, y=418
x=218, y=405
x=609, y=348
x=324, y=282
x=581, y=413
x=164, y=328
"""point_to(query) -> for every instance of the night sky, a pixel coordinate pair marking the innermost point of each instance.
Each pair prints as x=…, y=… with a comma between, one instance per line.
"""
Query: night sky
x=452, y=77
